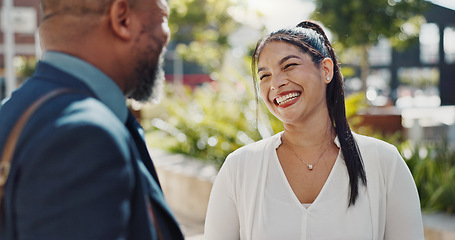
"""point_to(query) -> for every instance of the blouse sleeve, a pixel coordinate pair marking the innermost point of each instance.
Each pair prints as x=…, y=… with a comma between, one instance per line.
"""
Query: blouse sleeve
x=222, y=221
x=403, y=217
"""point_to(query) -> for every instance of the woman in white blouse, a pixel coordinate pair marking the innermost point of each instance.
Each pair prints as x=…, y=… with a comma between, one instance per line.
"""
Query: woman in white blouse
x=316, y=179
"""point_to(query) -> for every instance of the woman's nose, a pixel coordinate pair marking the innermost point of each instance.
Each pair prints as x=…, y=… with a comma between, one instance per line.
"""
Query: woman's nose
x=278, y=82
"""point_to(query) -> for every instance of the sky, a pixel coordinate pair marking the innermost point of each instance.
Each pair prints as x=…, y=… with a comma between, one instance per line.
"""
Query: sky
x=447, y=3
x=285, y=13
x=276, y=14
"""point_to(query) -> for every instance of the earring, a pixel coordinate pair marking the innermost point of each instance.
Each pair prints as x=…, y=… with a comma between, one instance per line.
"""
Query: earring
x=328, y=78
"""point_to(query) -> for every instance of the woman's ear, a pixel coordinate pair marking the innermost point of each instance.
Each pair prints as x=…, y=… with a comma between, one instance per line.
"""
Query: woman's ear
x=327, y=70
x=120, y=19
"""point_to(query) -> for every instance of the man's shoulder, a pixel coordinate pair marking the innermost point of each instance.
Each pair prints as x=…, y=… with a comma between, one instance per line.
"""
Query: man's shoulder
x=78, y=108
x=75, y=111
x=70, y=111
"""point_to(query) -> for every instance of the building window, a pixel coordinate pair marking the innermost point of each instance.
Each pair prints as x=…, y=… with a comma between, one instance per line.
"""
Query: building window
x=429, y=43
x=418, y=87
x=378, y=87
x=449, y=46
x=381, y=53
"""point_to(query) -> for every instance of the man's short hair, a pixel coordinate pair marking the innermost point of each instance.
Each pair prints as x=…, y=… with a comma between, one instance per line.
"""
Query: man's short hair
x=75, y=7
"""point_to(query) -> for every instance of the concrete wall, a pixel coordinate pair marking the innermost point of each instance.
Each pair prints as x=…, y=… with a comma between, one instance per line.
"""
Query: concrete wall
x=186, y=183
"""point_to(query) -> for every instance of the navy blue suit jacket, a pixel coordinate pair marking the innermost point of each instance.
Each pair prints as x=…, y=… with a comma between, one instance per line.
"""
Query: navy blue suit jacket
x=78, y=172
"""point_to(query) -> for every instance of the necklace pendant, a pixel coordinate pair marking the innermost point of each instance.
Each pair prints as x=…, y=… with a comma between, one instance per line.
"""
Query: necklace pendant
x=310, y=167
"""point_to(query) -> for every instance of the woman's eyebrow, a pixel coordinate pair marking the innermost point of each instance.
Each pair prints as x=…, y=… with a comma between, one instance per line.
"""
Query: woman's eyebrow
x=287, y=58
x=281, y=61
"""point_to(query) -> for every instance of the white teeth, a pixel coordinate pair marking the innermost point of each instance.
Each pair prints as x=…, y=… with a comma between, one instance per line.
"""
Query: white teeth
x=286, y=98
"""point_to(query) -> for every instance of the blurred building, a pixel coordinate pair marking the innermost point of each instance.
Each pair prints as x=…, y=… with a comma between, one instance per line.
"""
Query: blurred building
x=180, y=71
x=26, y=17
x=424, y=74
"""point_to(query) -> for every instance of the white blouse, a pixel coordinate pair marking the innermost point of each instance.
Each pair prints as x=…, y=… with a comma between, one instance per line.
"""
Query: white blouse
x=252, y=199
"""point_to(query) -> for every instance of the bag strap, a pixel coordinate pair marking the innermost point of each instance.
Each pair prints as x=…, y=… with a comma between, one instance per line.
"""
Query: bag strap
x=11, y=142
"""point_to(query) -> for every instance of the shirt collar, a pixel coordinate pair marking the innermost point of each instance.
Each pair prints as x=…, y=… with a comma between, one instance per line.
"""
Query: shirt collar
x=103, y=86
x=279, y=135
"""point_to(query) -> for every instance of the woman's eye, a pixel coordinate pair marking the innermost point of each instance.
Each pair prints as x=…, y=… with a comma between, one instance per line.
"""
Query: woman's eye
x=290, y=65
x=264, y=76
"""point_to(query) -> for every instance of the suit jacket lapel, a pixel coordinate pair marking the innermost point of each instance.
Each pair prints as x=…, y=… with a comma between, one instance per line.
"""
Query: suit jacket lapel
x=161, y=215
x=138, y=135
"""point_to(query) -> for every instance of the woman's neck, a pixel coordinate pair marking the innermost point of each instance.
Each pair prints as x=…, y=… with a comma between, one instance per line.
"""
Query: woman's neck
x=309, y=133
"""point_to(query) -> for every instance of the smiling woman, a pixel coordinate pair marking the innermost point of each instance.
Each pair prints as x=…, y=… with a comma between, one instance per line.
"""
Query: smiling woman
x=316, y=179
x=291, y=82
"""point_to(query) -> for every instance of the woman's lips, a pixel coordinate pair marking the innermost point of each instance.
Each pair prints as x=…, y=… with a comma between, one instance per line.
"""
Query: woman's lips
x=286, y=99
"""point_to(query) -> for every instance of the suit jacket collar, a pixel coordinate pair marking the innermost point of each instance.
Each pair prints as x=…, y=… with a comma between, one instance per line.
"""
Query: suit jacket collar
x=103, y=87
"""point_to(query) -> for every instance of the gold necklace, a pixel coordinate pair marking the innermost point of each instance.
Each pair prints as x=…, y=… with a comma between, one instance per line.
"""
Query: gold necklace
x=310, y=166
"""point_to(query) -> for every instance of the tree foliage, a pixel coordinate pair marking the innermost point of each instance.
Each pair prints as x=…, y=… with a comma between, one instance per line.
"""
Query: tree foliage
x=361, y=23
x=207, y=122
x=200, y=30
x=433, y=168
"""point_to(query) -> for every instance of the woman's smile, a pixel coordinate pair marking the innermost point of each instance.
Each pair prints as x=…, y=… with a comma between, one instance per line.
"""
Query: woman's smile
x=286, y=99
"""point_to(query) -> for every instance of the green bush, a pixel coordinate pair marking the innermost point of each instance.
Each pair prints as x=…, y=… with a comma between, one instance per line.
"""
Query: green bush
x=25, y=67
x=432, y=164
x=433, y=168
x=207, y=122
x=354, y=103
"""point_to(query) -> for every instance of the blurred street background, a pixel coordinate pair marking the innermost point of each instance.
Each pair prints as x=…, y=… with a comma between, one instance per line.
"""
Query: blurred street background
x=397, y=58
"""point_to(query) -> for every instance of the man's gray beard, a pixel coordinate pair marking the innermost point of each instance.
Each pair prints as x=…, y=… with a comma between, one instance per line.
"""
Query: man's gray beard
x=151, y=80
x=157, y=88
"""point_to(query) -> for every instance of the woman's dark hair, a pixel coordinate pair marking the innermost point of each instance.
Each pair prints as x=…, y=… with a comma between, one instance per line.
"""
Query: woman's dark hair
x=310, y=38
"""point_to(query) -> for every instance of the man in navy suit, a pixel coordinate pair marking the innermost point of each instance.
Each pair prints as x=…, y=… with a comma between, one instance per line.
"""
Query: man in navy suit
x=81, y=169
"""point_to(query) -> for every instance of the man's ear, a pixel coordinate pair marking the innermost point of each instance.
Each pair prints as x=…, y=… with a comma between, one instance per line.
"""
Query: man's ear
x=327, y=69
x=120, y=19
